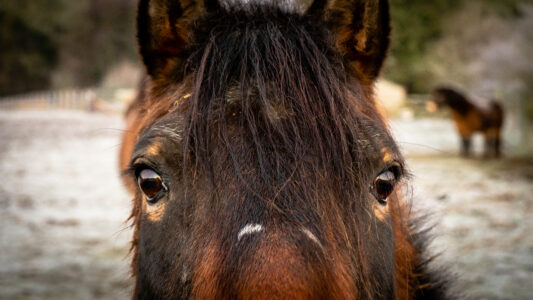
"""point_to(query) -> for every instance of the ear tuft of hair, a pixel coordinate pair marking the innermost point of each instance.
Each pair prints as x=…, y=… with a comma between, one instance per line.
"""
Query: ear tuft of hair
x=362, y=31
x=164, y=30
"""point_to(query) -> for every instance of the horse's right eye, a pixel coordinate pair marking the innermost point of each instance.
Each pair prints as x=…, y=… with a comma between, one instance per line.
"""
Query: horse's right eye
x=384, y=183
x=151, y=184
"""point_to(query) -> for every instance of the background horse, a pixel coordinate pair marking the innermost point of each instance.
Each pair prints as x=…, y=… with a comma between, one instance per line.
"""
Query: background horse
x=470, y=118
x=260, y=165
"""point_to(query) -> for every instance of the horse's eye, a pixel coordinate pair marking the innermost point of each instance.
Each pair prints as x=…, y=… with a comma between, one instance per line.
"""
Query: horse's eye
x=151, y=184
x=384, y=185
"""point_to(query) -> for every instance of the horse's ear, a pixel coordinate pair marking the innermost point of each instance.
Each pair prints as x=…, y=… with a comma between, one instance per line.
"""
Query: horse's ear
x=362, y=31
x=164, y=30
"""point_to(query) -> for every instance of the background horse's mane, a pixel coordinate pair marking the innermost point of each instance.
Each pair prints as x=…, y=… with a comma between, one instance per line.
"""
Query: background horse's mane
x=456, y=100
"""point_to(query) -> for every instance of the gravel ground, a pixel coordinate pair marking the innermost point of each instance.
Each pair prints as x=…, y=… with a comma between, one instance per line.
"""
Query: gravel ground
x=63, y=209
x=482, y=210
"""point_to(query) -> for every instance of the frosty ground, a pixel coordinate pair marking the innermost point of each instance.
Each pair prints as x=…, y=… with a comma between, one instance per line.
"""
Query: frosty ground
x=63, y=210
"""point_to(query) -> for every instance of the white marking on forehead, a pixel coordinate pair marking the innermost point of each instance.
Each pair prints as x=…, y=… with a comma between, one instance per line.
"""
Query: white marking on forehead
x=249, y=229
x=311, y=236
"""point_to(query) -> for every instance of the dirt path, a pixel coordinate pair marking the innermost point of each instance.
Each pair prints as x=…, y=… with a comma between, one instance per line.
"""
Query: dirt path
x=484, y=212
x=62, y=209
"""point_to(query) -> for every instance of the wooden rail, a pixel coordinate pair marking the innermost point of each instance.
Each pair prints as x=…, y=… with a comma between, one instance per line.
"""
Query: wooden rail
x=82, y=99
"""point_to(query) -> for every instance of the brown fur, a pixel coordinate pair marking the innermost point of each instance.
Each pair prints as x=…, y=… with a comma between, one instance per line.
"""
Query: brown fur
x=260, y=114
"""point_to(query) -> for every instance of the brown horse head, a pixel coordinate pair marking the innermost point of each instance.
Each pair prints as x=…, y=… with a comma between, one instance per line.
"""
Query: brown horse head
x=448, y=97
x=260, y=165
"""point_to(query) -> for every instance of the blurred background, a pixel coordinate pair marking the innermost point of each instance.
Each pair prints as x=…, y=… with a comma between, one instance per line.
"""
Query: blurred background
x=69, y=68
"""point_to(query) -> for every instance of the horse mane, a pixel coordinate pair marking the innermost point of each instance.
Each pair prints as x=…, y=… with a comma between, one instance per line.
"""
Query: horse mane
x=244, y=52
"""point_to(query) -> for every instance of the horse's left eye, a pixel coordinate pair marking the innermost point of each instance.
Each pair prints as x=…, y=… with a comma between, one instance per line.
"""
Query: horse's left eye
x=384, y=185
x=151, y=184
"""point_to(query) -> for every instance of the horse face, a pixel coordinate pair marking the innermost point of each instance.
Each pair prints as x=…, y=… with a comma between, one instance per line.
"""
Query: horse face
x=261, y=167
x=250, y=243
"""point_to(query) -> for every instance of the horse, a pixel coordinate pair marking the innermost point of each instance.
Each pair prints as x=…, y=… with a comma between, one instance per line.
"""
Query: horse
x=259, y=164
x=470, y=118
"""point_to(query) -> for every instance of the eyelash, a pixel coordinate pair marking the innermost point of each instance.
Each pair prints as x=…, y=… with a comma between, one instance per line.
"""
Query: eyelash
x=139, y=164
x=397, y=169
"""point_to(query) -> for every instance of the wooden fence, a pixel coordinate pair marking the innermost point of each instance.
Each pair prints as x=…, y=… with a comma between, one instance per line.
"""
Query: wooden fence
x=82, y=99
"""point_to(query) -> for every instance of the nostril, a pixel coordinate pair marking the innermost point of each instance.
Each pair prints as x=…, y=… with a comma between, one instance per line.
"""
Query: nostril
x=249, y=229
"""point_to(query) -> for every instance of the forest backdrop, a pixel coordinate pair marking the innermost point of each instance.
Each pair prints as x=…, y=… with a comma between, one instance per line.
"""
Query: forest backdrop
x=482, y=46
